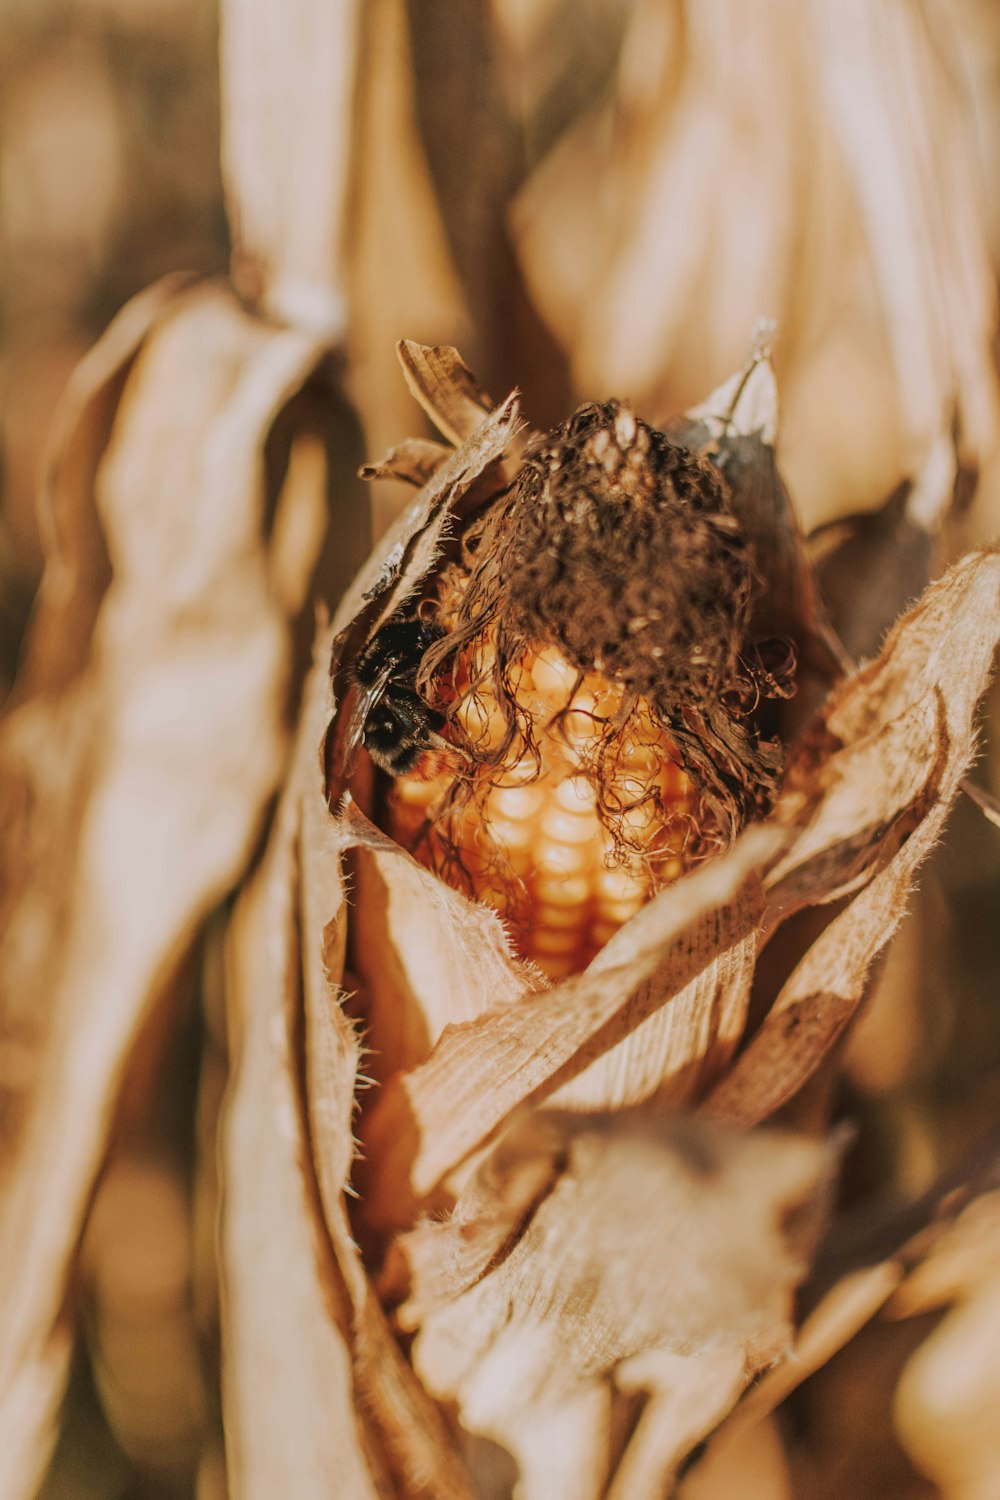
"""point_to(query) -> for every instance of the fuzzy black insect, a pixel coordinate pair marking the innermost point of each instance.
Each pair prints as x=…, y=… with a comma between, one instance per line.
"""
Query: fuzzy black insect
x=390, y=718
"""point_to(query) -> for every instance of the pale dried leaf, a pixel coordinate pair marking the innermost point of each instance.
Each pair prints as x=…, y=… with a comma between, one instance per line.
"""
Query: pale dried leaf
x=428, y=1120
x=908, y=145
x=288, y=106
x=408, y=551
x=402, y=277
x=716, y=1229
x=76, y=563
x=815, y=185
x=347, y=1415
x=288, y=1384
x=429, y=957
x=405, y=1427
x=687, y=1398
x=135, y=787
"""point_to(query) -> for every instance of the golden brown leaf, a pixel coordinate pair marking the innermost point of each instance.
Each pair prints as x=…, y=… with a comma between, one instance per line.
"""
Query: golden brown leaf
x=711, y=1231
x=135, y=766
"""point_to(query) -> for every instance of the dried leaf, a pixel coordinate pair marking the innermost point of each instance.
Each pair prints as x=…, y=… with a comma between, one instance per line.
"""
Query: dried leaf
x=870, y=567
x=912, y=711
x=350, y=1416
x=284, y=1307
x=737, y=427
x=946, y=1401
x=407, y=553
x=445, y=387
x=415, y=460
x=678, y=948
x=134, y=783
x=716, y=1229
x=856, y=225
x=288, y=106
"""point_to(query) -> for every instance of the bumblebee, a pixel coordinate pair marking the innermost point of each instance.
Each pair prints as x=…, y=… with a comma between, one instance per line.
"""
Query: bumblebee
x=390, y=718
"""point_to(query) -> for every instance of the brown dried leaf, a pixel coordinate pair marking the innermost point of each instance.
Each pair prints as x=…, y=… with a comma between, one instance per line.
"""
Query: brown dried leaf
x=442, y=383
x=134, y=785
x=715, y=1228
x=414, y=460
x=737, y=427
x=871, y=566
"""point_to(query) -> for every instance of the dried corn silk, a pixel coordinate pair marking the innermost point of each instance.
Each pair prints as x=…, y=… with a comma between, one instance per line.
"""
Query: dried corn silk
x=566, y=842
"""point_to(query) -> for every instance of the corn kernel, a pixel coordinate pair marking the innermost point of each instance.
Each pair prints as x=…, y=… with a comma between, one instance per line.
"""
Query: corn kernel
x=530, y=839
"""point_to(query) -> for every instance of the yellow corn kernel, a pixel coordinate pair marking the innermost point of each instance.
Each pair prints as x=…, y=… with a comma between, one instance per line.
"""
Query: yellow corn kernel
x=531, y=839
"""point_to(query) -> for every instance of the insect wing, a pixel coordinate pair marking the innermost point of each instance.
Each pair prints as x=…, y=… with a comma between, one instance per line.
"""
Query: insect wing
x=366, y=701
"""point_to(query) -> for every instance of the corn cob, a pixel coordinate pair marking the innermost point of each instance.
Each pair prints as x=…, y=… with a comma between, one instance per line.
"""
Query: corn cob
x=564, y=858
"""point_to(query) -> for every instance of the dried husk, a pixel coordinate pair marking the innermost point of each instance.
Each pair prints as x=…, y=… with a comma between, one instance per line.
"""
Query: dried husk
x=145, y=738
x=465, y=1039
x=541, y=1341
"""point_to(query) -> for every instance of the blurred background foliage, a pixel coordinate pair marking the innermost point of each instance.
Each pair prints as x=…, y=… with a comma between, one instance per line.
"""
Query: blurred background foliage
x=591, y=199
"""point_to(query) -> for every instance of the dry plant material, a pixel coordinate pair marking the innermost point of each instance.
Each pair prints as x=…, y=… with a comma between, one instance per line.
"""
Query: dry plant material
x=816, y=185
x=568, y=702
x=137, y=756
x=509, y=1171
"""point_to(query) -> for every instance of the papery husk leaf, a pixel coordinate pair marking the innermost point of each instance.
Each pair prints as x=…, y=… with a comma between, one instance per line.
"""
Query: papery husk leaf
x=935, y=667
x=287, y=1374
x=347, y=1415
x=899, y=1263
x=135, y=786
x=414, y=460
x=427, y=1121
x=872, y=566
x=428, y=956
x=406, y=555
x=715, y=1228
x=439, y=379
x=404, y=1427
